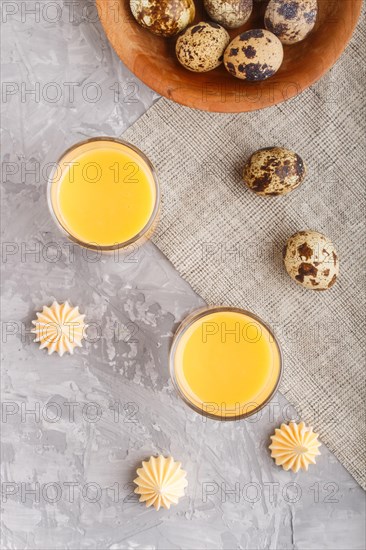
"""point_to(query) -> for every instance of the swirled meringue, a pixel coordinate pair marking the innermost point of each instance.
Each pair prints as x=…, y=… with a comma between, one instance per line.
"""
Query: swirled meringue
x=294, y=446
x=59, y=328
x=160, y=482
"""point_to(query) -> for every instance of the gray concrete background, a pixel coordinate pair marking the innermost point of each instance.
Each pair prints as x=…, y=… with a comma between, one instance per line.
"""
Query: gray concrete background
x=67, y=467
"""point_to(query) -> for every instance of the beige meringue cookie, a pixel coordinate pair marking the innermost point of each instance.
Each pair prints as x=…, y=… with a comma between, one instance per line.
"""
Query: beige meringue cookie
x=59, y=328
x=160, y=482
x=294, y=446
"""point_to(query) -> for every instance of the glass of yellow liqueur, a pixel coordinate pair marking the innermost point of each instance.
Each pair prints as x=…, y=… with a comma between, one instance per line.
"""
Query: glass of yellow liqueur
x=104, y=194
x=225, y=363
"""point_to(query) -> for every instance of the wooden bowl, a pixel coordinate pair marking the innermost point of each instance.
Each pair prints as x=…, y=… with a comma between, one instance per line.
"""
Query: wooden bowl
x=152, y=58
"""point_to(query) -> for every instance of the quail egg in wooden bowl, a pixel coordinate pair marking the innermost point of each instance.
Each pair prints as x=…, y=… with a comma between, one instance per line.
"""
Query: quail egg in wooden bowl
x=291, y=44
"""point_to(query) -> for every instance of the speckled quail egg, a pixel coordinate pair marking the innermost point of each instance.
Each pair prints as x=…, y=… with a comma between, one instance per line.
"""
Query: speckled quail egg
x=254, y=55
x=229, y=13
x=311, y=260
x=291, y=20
x=163, y=17
x=274, y=171
x=201, y=47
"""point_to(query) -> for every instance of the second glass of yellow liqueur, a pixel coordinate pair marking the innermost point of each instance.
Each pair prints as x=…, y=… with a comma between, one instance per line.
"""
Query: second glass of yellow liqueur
x=225, y=362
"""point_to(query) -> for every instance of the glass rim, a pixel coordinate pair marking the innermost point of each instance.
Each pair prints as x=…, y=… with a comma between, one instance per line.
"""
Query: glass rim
x=185, y=324
x=94, y=246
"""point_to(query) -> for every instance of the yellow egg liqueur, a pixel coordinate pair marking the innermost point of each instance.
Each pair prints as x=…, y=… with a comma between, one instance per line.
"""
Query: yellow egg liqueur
x=104, y=193
x=225, y=362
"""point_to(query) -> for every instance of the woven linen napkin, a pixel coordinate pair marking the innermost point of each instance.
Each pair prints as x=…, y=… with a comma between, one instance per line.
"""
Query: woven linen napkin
x=227, y=242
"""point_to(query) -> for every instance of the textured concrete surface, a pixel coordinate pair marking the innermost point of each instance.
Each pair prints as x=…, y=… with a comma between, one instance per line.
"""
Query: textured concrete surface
x=75, y=429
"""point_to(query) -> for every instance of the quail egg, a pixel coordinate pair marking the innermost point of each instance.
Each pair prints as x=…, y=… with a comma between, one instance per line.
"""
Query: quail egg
x=274, y=171
x=229, y=13
x=311, y=260
x=163, y=17
x=291, y=20
x=201, y=47
x=254, y=55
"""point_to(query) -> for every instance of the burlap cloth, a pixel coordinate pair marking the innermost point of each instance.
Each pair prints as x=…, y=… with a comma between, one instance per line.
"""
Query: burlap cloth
x=227, y=242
